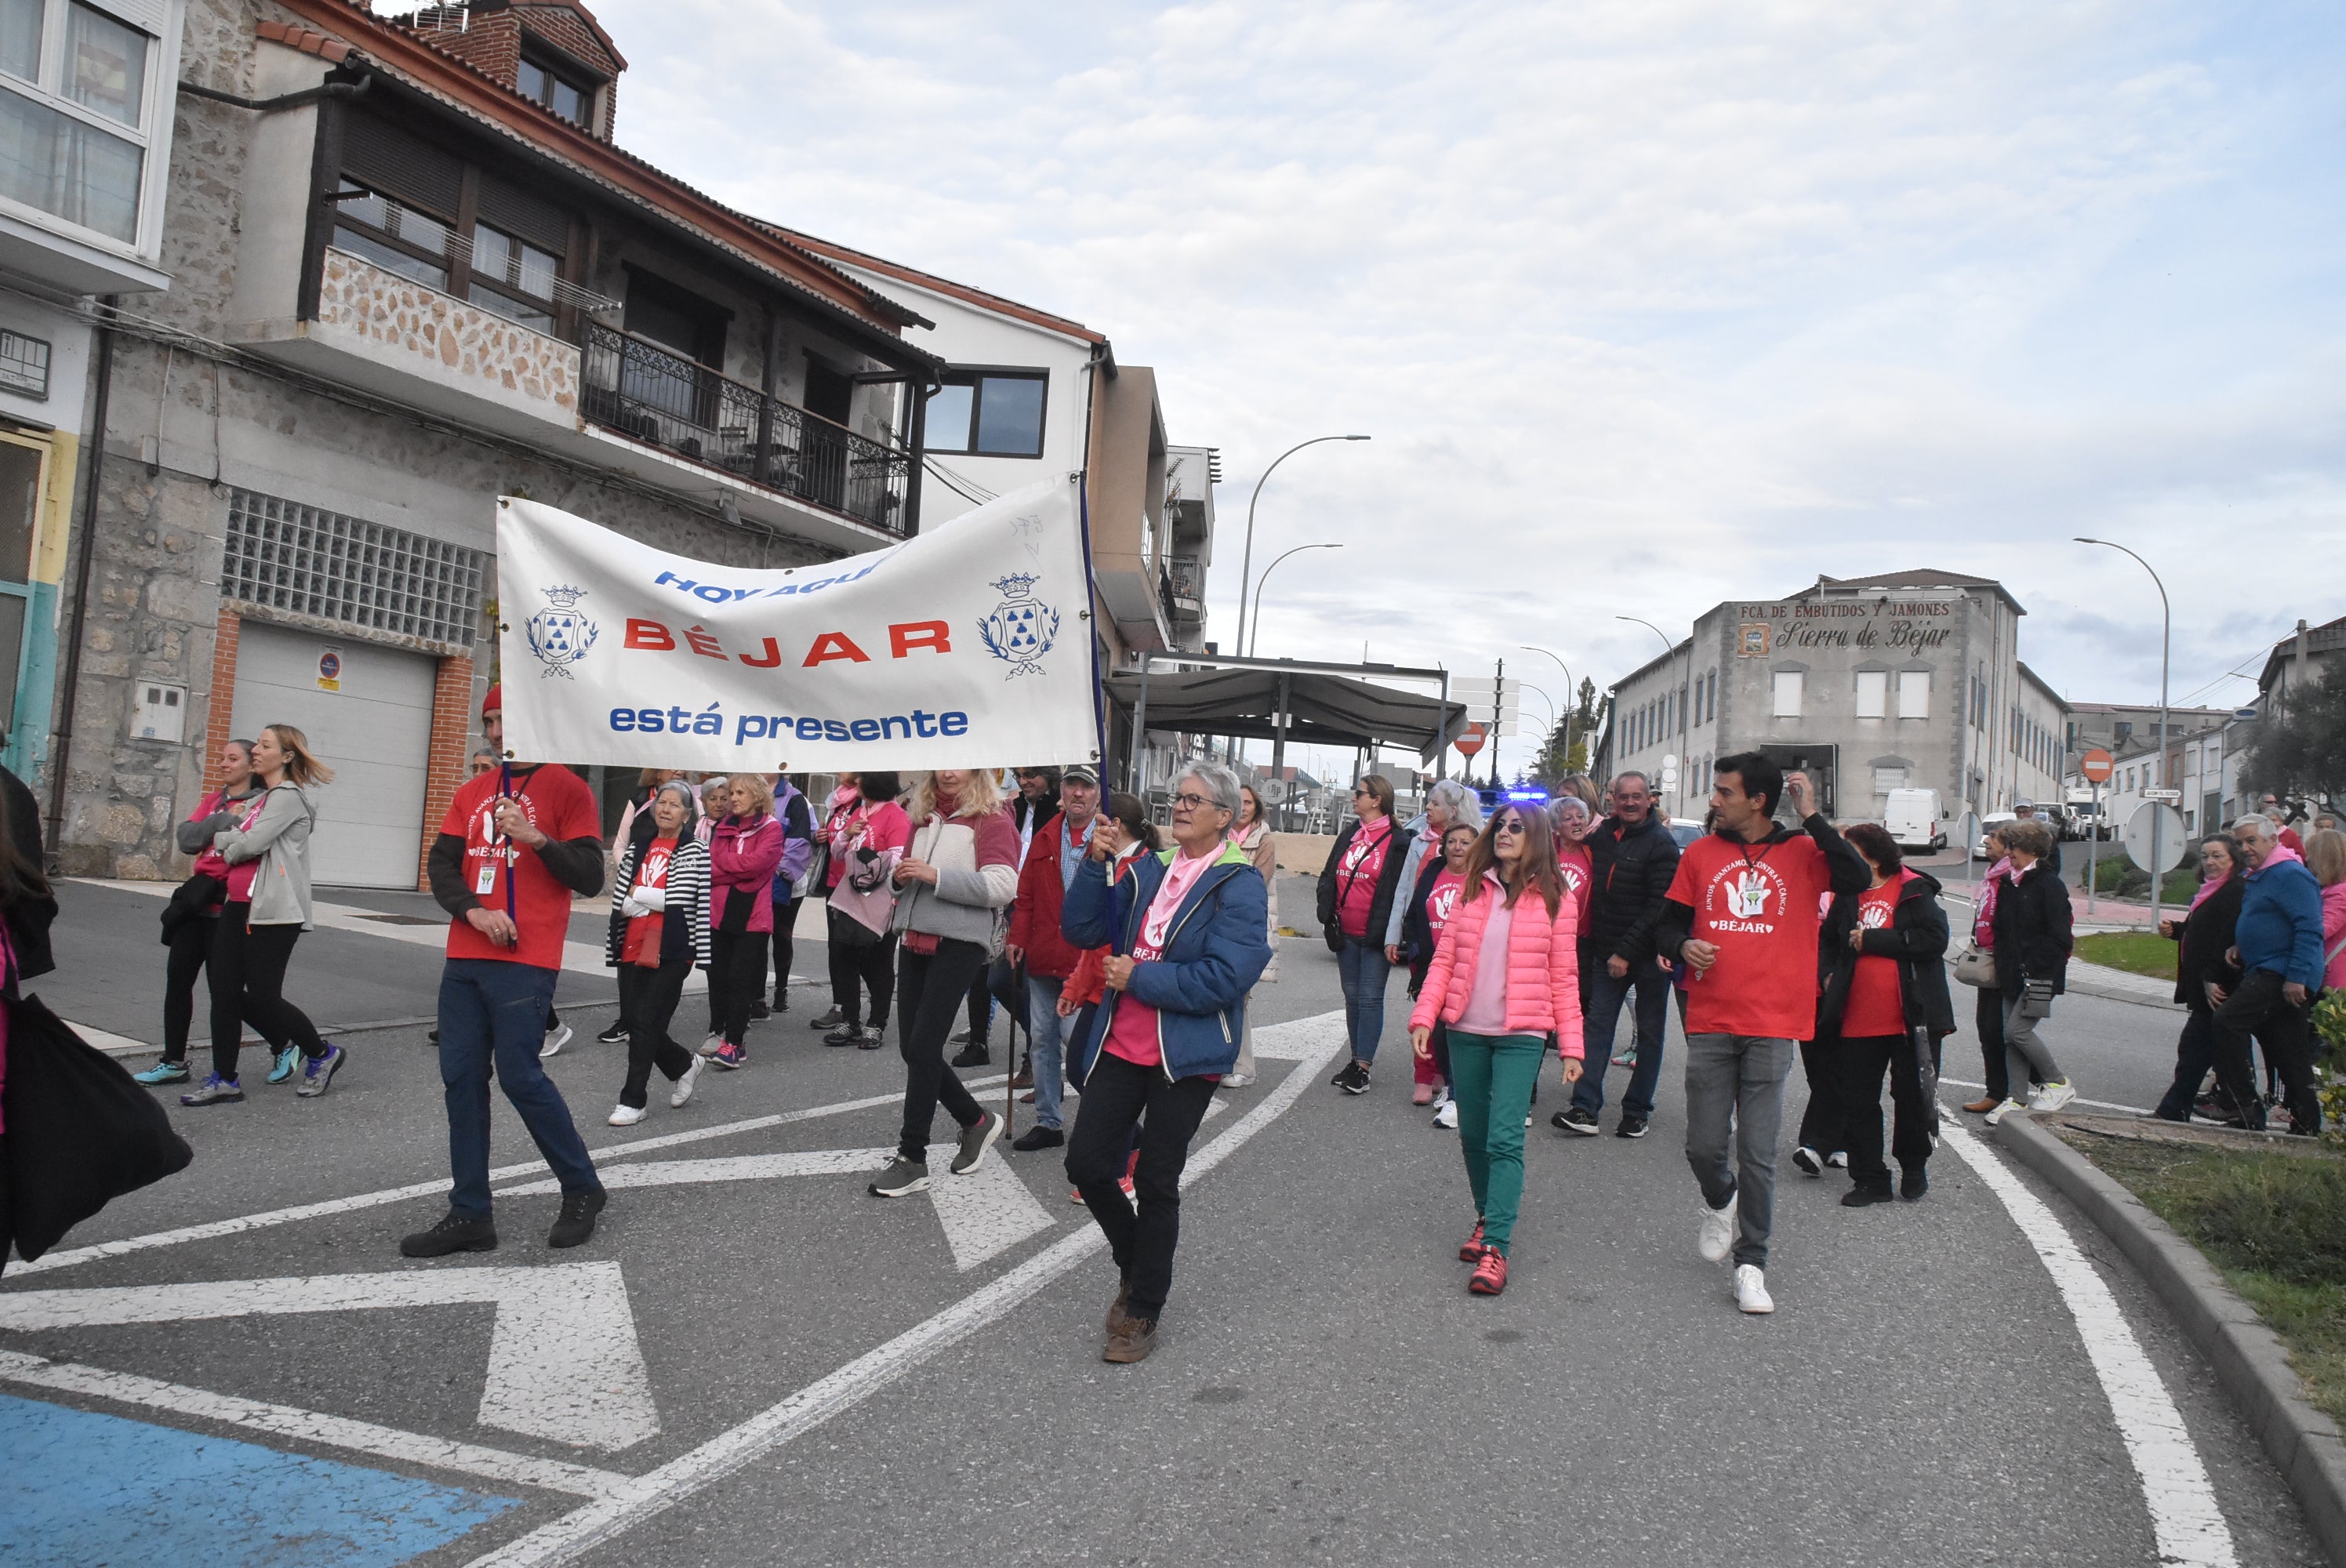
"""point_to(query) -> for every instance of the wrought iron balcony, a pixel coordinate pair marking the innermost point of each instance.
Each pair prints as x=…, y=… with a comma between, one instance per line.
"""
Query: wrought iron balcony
x=654, y=394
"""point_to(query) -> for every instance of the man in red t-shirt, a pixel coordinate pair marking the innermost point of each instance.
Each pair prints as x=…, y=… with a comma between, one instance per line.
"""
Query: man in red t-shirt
x=517, y=841
x=1742, y=914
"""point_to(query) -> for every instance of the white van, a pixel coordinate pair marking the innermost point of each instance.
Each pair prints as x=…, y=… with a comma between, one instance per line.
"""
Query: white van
x=1914, y=820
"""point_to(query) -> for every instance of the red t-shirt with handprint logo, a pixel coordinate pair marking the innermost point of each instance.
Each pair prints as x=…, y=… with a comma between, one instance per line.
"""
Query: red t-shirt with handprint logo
x=1758, y=902
x=508, y=879
x=1875, y=1005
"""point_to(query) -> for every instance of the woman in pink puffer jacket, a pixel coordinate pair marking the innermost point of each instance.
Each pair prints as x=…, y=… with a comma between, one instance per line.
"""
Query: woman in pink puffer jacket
x=1501, y=1015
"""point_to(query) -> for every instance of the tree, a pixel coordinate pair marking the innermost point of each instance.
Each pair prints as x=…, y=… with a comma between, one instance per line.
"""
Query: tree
x=2301, y=748
x=1566, y=750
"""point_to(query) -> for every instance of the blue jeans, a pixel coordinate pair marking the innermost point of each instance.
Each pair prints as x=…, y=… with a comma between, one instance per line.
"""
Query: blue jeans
x=1601, y=1015
x=1044, y=1037
x=491, y=1007
x=1361, y=970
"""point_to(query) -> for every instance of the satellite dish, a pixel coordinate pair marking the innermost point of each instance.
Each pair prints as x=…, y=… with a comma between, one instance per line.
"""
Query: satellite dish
x=1273, y=791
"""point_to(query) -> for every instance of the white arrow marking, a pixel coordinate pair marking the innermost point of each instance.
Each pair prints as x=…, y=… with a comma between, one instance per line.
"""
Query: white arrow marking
x=564, y=1362
x=985, y=1213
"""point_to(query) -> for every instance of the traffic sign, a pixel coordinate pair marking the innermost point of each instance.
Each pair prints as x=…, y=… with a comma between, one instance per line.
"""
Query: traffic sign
x=1470, y=742
x=1273, y=791
x=2170, y=834
x=2162, y=794
x=2098, y=765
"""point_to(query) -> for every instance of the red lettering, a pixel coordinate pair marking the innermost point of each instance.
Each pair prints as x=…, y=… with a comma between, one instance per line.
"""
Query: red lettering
x=903, y=638
x=703, y=644
x=773, y=656
x=832, y=646
x=648, y=634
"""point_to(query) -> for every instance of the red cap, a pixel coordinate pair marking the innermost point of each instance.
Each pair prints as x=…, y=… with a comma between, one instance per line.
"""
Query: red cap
x=495, y=702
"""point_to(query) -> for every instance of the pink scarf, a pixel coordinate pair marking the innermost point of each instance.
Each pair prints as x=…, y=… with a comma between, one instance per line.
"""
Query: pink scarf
x=2205, y=889
x=1983, y=914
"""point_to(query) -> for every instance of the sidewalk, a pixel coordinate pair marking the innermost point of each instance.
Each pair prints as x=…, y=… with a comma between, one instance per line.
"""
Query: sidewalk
x=2093, y=979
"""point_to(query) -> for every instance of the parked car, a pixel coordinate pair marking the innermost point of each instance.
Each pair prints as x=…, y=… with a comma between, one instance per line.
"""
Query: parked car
x=1989, y=824
x=1915, y=820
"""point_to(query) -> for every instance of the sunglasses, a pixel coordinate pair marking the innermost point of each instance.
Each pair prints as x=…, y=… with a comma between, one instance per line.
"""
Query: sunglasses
x=1358, y=791
x=1507, y=825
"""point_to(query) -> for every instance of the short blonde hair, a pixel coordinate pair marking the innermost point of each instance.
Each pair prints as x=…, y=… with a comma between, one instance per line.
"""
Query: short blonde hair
x=980, y=795
x=2325, y=856
x=760, y=790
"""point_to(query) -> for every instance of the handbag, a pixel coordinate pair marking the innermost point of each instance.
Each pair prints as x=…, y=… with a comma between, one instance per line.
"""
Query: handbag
x=2036, y=1001
x=81, y=1133
x=1975, y=965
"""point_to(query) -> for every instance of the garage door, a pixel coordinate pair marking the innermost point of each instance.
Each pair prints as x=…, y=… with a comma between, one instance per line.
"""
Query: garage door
x=367, y=712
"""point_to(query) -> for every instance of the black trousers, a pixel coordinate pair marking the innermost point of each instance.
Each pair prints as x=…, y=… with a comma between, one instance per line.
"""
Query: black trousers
x=190, y=949
x=1859, y=1063
x=648, y=998
x=1987, y=1023
x=786, y=925
x=1821, y=1122
x=737, y=977
x=2257, y=1007
x=246, y=972
x=855, y=970
x=933, y=987
x=1116, y=1096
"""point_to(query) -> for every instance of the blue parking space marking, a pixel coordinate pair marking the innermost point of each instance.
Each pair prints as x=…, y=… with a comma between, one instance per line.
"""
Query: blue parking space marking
x=80, y=1490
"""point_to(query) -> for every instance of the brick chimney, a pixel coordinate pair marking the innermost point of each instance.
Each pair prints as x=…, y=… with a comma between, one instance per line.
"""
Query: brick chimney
x=551, y=52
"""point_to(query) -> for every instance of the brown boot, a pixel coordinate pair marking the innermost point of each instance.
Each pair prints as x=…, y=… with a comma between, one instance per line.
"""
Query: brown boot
x=1116, y=1316
x=1132, y=1342
x=1982, y=1105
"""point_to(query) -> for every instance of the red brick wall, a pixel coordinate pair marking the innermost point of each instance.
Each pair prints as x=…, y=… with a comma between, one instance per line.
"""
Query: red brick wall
x=452, y=730
x=223, y=697
x=492, y=45
x=567, y=31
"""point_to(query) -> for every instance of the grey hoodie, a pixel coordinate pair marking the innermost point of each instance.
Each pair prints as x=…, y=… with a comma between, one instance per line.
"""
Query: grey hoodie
x=279, y=839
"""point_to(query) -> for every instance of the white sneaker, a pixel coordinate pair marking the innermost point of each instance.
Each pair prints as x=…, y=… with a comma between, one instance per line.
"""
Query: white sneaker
x=1998, y=1115
x=1837, y=1159
x=1445, y=1115
x=710, y=1047
x=626, y=1115
x=1805, y=1159
x=1717, y=1234
x=1237, y=1080
x=555, y=1039
x=683, y=1090
x=1752, y=1290
x=2052, y=1096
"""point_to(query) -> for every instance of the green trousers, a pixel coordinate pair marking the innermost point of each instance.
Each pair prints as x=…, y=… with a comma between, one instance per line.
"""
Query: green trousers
x=1492, y=1078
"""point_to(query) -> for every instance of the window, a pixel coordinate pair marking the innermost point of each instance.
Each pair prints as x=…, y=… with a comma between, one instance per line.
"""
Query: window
x=988, y=414
x=62, y=147
x=25, y=366
x=513, y=278
x=1913, y=694
x=396, y=238
x=1873, y=693
x=568, y=99
x=106, y=65
x=287, y=556
x=1885, y=779
x=1788, y=694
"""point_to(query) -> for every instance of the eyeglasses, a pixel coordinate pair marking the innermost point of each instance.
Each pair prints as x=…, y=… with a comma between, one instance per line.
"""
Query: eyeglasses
x=1360, y=789
x=1509, y=825
x=1193, y=800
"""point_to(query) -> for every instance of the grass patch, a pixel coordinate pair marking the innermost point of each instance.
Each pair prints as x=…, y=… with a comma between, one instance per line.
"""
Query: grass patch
x=2137, y=953
x=2273, y=1224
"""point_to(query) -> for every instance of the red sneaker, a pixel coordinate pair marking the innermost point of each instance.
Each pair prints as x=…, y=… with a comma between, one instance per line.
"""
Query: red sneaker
x=1490, y=1274
x=1473, y=1250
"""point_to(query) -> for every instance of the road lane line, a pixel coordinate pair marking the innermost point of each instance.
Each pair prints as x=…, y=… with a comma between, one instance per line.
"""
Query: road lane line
x=2184, y=1515
x=242, y=1223
x=301, y=1426
x=565, y=1539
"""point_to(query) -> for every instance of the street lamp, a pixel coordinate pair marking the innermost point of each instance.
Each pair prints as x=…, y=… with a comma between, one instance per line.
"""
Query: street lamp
x=1571, y=694
x=1667, y=648
x=1267, y=571
x=2166, y=640
x=1246, y=567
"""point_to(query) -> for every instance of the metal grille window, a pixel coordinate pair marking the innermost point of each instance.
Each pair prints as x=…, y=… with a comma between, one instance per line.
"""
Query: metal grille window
x=25, y=365
x=285, y=557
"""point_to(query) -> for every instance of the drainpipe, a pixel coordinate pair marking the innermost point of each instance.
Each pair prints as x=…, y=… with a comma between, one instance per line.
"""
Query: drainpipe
x=63, y=759
x=334, y=89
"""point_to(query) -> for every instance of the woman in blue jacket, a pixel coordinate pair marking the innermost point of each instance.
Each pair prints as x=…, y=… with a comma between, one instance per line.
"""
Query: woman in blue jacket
x=1188, y=937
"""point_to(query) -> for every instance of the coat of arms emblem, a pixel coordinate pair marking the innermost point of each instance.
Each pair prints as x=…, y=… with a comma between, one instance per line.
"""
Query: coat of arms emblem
x=1022, y=627
x=561, y=634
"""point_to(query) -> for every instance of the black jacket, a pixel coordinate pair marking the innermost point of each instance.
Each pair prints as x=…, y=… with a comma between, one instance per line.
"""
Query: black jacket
x=1916, y=937
x=2032, y=931
x=1630, y=870
x=2202, y=939
x=28, y=919
x=1381, y=909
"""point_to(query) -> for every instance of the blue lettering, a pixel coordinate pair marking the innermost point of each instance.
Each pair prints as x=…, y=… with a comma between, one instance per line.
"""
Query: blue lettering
x=647, y=720
x=865, y=729
x=953, y=724
x=685, y=583
x=713, y=594
x=833, y=729
x=923, y=724
x=709, y=723
x=742, y=730
x=893, y=720
x=623, y=719
x=679, y=720
x=809, y=730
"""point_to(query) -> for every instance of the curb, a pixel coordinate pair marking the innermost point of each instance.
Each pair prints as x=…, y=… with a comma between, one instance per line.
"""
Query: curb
x=2304, y=1444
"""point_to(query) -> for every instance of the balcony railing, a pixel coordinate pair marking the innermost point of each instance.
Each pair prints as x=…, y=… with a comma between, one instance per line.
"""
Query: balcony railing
x=655, y=395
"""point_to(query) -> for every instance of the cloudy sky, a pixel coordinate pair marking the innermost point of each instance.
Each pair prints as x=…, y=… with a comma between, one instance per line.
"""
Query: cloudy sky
x=1646, y=303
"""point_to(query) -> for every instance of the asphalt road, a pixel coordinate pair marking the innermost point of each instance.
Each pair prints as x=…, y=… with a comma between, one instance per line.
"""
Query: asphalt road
x=830, y=1384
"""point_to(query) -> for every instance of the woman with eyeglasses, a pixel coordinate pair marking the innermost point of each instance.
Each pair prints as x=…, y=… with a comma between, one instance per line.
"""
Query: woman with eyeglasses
x=1448, y=804
x=1505, y=976
x=1357, y=888
x=1190, y=937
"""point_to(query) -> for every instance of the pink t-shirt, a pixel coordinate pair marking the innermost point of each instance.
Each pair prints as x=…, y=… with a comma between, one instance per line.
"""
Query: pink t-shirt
x=1133, y=1036
x=1486, y=1003
x=1358, y=872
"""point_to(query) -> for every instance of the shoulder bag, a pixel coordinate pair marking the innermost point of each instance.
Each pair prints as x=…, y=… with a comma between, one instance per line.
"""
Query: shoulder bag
x=1975, y=965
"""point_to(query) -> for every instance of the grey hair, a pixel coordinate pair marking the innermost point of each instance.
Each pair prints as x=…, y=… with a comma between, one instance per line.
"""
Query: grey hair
x=1633, y=773
x=2262, y=825
x=1221, y=784
x=1464, y=806
x=683, y=792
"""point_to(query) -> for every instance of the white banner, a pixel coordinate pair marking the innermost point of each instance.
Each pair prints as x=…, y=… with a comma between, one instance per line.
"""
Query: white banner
x=966, y=647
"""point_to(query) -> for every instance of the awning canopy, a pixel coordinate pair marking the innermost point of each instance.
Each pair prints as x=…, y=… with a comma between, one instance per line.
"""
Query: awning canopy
x=1323, y=710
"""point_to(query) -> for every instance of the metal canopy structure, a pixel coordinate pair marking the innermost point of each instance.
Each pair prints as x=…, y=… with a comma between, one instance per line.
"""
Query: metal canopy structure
x=1288, y=699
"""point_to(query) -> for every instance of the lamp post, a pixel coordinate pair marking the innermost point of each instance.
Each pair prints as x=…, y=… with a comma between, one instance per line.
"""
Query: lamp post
x=1267, y=571
x=1571, y=694
x=1669, y=647
x=2166, y=643
x=1246, y=565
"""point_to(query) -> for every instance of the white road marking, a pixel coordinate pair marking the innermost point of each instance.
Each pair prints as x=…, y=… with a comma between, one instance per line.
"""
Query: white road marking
x=740, y=1167
x=2184, y=1516
x=111, y=1043
x=242, y=1223
x=1312, y=1042
x=308, y=1427
x=2103, y=1105
x=564, y=1362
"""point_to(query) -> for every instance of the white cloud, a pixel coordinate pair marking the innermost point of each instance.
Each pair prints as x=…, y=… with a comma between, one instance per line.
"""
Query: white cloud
x=1647, y=305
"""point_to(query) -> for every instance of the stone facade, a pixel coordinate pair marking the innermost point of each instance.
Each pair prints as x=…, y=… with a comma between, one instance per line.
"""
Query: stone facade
x=474, y=344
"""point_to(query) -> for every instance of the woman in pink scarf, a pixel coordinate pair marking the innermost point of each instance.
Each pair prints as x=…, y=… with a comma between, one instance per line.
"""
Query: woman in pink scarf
x=1987, y=1022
